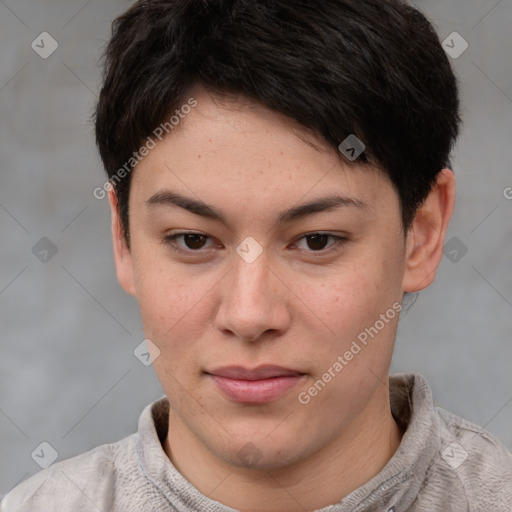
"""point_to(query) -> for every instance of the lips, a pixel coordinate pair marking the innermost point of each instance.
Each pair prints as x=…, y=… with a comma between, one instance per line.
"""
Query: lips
x=260, y=385
x=259, y=373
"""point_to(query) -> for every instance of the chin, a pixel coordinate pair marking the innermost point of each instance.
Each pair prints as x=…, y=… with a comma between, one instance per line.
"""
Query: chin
x=260, y=454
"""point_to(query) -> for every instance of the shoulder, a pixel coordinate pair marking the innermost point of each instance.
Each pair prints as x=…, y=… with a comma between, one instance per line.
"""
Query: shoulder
x=74, y=483
x=476, y=462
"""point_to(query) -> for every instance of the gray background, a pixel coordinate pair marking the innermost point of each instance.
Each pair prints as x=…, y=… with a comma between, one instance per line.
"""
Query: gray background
x=68, y=375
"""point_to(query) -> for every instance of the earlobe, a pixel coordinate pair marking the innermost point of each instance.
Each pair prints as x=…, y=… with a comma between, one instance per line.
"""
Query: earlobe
x=122, y=254
x=425, y=239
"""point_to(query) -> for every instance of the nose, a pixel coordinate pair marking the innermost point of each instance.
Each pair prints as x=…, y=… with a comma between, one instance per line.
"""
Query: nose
x=254, y=302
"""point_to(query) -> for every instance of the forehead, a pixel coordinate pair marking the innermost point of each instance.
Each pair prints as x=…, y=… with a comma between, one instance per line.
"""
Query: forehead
x=232, y=150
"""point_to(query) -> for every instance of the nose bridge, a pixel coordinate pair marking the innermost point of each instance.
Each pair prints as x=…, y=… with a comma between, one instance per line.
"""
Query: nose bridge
x=250, y=303
x=250, y=282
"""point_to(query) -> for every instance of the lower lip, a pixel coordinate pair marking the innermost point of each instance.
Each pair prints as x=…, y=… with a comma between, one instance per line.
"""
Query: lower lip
x=256, y=391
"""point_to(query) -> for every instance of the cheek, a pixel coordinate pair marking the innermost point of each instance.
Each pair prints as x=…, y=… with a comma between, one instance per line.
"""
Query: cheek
x=353, y=360
x=174, y=306
x=347, y=300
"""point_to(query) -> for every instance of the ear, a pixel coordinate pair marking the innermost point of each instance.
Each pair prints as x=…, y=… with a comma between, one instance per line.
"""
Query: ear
x=122, y=254
x=425, y=239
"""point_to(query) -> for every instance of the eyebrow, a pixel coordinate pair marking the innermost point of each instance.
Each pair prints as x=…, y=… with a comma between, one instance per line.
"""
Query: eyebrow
x=198, y=207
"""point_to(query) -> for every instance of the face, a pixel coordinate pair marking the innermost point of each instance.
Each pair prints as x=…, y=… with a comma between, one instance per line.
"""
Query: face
x=260, y=263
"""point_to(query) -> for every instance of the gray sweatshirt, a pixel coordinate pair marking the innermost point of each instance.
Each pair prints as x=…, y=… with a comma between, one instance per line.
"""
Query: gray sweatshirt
x=443, y=463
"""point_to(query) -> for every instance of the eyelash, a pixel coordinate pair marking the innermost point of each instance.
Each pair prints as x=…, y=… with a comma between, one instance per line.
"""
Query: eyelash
x=170, y=241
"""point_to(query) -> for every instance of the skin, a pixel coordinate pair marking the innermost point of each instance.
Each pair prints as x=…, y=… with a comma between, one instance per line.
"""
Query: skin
x=298, y=305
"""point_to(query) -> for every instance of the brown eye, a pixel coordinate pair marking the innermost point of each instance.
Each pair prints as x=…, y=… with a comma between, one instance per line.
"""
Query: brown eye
x=187, y=242
x=317, y=242
x=321, y=243
x=194, y=241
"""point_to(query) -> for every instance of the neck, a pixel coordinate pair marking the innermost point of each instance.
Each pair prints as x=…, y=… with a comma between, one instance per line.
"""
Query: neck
x=350, y=460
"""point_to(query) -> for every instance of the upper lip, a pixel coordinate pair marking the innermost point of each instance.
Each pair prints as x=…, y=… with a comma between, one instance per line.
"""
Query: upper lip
x=266, y=371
